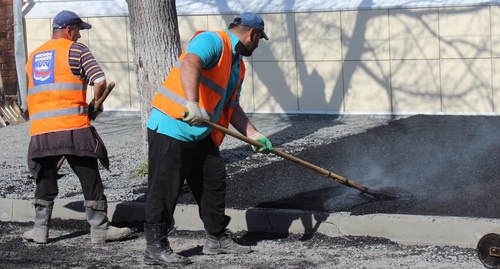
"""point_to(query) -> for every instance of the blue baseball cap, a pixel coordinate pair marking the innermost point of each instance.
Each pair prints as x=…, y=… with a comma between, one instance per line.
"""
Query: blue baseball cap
x=66, y=17
x=251, y=20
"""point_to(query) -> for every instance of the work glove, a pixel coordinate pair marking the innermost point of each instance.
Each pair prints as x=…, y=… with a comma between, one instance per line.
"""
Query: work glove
x=94, y=112
x=193, y=114
x=262, y=139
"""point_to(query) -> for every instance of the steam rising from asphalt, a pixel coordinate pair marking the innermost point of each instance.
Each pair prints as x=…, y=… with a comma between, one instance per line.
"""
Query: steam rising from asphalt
x=424, y=156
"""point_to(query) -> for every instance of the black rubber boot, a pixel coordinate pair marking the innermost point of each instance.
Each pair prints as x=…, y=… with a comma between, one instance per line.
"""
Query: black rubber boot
x=100, y=230
x=158, y=250
x=40, y=232
x=224, y=244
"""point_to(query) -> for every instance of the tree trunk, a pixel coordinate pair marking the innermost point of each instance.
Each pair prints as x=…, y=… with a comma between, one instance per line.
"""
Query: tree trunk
x=156, y=44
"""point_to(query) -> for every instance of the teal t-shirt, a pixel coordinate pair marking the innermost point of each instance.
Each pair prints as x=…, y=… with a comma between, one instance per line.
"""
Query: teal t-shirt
x=208, y=46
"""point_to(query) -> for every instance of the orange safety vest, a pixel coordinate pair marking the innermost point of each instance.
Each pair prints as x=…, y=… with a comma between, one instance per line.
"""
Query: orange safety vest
x=56, y=98
x=171, y=99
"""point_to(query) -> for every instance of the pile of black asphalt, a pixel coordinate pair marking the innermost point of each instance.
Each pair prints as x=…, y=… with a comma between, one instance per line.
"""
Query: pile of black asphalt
x=436, y=165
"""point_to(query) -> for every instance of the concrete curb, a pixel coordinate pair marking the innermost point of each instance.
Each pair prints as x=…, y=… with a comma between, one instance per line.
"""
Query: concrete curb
x=403, y=229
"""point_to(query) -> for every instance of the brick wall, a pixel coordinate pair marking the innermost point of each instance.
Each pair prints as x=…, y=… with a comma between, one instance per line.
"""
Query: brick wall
x=7, y=56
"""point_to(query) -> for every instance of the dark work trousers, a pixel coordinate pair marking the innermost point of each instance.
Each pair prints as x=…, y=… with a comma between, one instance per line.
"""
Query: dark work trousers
x=86, y=170
x=199, y=163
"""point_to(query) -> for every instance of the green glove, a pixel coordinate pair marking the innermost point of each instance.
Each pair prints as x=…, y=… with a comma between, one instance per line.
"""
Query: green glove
x=94, y=112
x=262, y=139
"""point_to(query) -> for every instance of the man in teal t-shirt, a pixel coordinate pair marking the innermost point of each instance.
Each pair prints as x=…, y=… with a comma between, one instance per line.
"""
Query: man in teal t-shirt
x=184, y=150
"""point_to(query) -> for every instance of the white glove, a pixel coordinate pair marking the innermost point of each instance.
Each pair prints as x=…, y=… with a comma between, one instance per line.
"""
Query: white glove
x=193, y=115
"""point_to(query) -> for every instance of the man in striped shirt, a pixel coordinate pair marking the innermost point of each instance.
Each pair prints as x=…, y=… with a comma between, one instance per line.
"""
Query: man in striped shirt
x=58, y=74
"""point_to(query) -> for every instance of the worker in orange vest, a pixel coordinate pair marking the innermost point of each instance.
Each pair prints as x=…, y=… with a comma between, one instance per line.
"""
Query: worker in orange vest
x=58, y=74
x=204, y=83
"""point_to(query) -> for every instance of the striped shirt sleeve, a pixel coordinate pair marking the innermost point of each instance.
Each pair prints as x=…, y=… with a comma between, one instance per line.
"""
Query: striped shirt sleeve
x=83, y=64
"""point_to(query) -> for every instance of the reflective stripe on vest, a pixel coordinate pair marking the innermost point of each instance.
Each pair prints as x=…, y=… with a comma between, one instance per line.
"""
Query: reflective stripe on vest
x=181, y=101
x=60, y=112
x=54, y=87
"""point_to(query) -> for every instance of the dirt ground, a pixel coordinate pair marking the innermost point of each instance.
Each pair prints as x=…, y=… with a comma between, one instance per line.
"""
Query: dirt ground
x=70, y=247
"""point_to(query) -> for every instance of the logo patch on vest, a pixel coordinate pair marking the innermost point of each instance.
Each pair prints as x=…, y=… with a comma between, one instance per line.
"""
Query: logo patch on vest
x=43, y=67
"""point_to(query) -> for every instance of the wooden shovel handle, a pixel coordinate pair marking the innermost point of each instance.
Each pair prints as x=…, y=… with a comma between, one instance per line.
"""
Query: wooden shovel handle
x=284, y=155
x=104, y=95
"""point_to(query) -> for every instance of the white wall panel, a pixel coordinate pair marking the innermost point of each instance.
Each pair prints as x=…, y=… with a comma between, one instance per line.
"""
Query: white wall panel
x=465, y=32
x=318, y=36
x=414, y=33
x=367, y=87
x=466, y=86
x=365, y=35
x=415, y=86
x=275, y=86
x=320, y=86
